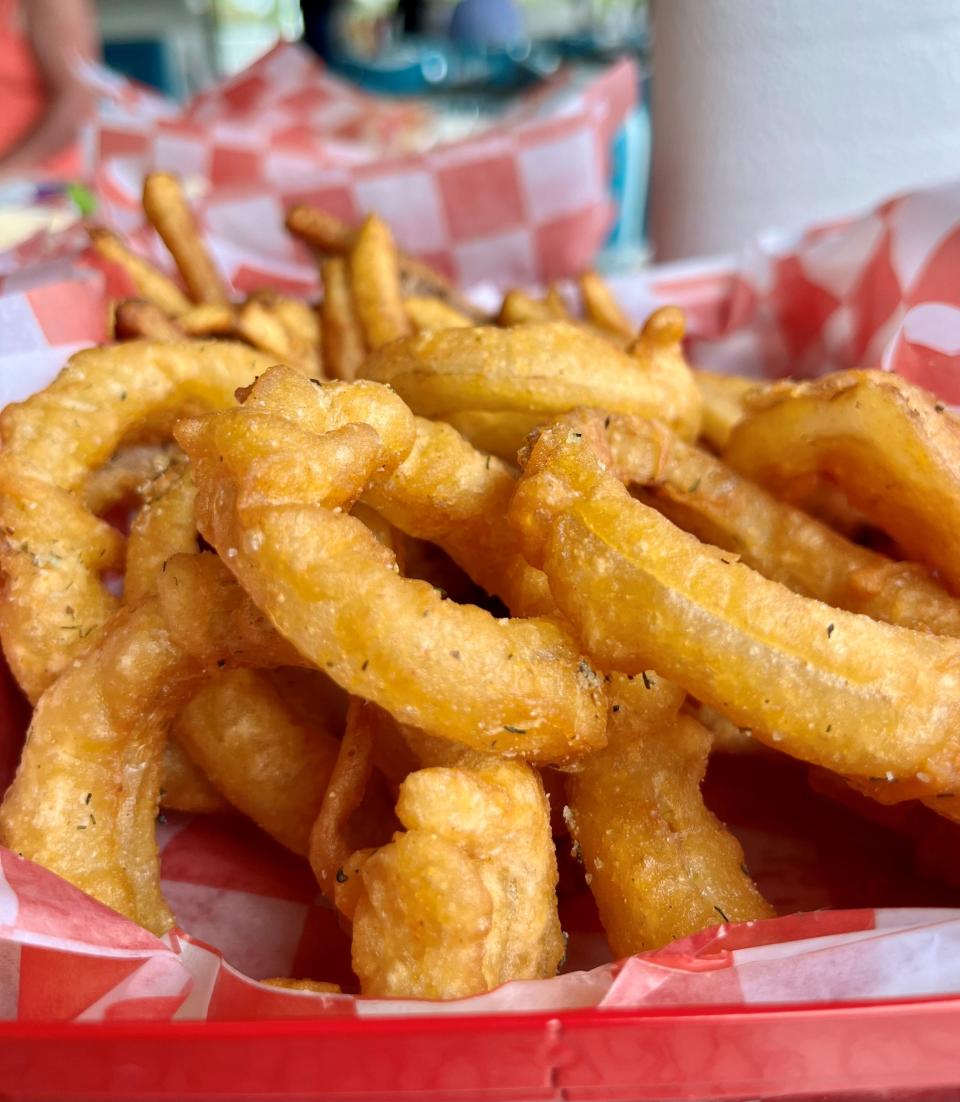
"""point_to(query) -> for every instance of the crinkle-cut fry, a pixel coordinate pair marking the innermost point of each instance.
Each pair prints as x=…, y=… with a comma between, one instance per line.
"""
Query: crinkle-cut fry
x=184, y=787
x=53, y=550
x=164, y=527
x=520, y=308
x=84, y=800
x=704, y=496
x=464, y=899
x=659, y=864
x=329, y=847
x=447, y=492
x=641, y=593
x=329, y=236
x=375, y=282
x=138, y=319
x=426, y=313
x=209, y=319
x=519, y=687
x=168, y=212
x=540, y=369
x=314, y=987
x=265, y=762
x=722, y=397
x=149, y=281
x=128, y=475
x=495, y=433
x=601, y=307
x=343, y=347
x=260, y=323
x=891, y=447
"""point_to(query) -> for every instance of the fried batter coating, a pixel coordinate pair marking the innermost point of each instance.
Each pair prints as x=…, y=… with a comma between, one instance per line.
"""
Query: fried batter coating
x=658, y=863
x=464, y=899
x=271, y=500
x=892, y=448
x=877, y=699
x=704, y=496
x=53, y=550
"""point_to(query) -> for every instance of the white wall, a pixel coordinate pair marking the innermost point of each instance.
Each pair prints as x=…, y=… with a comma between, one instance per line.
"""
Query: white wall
x=778, y=112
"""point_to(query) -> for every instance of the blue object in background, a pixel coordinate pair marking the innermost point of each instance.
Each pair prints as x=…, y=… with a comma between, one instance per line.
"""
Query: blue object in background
x=148, y=60
x=486, y=23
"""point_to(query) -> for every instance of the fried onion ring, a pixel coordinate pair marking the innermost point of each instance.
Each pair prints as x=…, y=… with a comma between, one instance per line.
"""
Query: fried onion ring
x=878, y=699
x=541, y=370
x=704, y=496
x=464, y=899
x=268, y=500
x=53, y=551
x=891, y=447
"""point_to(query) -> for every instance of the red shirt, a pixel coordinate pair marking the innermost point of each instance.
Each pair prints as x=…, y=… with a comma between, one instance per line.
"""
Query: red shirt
x=23, y=94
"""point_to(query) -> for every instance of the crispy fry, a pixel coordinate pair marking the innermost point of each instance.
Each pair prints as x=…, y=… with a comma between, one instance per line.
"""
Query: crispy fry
x=433, y=313
x=170, y=215
x=183, y=787
x=54, y=550
x=891, y=447
x=149, y=281
x=877, y=699
x=464, y=899
x=257, y=474
x=704, y=496
x=343, y=348
x=139, y=319
x=329, y=845
x=269, y=765
x=316, y=987
x=722, y=397
x=209, y=319
x=519, y=308
x=331, y=237
x=659, y=864
x=375, y=282
x=261, y=323
x=602, y=308
x=555, y=303
x=540, y=369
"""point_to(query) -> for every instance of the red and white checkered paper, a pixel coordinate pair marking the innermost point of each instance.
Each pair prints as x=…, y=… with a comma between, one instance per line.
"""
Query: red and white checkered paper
x=526, y=199
x=880, y=290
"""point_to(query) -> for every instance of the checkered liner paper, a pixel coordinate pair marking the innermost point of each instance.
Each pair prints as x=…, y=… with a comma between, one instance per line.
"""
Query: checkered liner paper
x=878, y=290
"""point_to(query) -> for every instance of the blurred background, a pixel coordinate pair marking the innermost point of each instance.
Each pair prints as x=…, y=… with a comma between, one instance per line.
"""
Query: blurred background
x=746, y=114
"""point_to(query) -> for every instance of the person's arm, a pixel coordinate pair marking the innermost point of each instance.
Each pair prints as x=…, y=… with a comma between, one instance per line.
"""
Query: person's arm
x=62, y=36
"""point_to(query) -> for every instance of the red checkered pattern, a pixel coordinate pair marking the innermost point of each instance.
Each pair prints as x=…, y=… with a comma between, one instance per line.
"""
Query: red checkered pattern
x=526, y=200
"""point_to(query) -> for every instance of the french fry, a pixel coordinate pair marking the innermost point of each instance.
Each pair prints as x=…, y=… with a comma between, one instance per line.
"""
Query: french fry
x=138, y=318
x=209, y=319
x=722, y=404
x=602, y=309
x=343, y=348
x=329, y=236
x=166, y=207
x=184, y=787
x=259, y=323
x=518, y=308
x=375, y=281
x=426, y=312
x=152, y=284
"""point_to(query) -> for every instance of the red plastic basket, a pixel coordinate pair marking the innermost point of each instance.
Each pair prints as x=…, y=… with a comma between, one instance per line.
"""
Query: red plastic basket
x=853, y=1051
